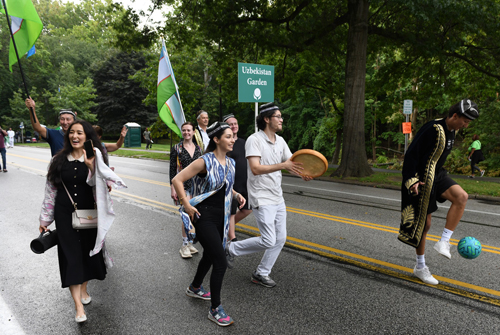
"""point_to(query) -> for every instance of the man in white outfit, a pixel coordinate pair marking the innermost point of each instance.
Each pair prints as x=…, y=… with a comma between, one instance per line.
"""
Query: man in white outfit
x=267, y=154
x=11, y=134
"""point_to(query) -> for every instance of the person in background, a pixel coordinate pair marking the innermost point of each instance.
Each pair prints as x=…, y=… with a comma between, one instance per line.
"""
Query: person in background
x=11, y=134
x=72, y=181
x=200, y=133
x=426, y=182
x=147, y=137
x=241, y=176
x=110, y=147
x=183, y=154
x=3, y=136
x=209, y=211
x=475, y=156
x=55, y=137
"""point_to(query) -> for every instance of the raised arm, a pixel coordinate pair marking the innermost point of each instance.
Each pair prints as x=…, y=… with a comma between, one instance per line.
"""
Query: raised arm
x=110, y=147
x=36, y=125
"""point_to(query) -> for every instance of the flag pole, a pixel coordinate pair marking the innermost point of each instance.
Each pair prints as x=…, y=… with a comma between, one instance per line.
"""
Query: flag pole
x=17, y=55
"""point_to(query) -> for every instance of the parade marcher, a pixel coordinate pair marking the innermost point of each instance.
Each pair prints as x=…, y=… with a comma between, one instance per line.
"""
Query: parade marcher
x=147, y=137
x=475, y=156
x=240, y=179
x=209, y=210
x=11, y=134
x=181, y=155
x=72, y=181
x=200, y=133
x=55, y=137
x=425, y=182
x=3, y=135
x=110, y=147
x=267, y=155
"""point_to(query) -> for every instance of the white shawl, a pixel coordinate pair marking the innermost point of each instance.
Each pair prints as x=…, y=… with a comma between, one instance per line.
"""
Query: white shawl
x=103, y=176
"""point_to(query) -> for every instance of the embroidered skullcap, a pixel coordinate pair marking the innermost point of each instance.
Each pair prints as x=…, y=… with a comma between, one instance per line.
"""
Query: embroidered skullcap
x=67, y=111
x=200, y=112
x=469, y=109
x=215, y=128
x=268, y=107
x=228, y=116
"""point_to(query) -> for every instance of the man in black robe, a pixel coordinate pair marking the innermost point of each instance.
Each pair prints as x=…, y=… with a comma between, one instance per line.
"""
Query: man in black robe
x=425, y=182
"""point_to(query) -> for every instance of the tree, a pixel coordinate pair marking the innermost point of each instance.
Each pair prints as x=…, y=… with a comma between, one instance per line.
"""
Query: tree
x=119, y=97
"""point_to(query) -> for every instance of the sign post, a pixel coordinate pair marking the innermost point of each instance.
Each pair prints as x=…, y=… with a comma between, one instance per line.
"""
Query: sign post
x=21, y=126
x=255, y=84
x=407, y=110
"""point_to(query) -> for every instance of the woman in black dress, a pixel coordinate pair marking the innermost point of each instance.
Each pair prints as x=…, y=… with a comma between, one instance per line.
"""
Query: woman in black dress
x=183, y=154
x=71, y=167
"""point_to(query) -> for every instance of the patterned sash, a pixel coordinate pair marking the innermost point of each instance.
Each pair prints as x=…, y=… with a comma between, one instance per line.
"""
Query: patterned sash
x=202, y=188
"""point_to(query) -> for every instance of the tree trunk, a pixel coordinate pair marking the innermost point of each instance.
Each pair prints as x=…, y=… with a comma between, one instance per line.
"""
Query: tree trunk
x=354, y=161
x=338, y=143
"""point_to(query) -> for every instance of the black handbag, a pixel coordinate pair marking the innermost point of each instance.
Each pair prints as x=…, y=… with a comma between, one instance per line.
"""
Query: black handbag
x=44, y=242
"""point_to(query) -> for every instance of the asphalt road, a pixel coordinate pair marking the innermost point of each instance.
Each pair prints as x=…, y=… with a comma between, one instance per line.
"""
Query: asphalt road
x=343, y=270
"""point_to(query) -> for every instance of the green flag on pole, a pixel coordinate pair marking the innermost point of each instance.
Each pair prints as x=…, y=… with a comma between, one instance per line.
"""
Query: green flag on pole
x=26, y=27
x=168, y=98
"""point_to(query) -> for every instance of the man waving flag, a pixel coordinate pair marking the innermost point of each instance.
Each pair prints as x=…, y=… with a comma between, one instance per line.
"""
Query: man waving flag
x=26, y=26
x=168, y=99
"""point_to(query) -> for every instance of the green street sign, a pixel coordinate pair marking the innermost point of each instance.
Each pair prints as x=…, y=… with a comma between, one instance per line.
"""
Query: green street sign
x=255, y=83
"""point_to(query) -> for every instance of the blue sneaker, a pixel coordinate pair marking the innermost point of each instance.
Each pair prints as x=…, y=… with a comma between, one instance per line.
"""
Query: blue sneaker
x=199, y=293
x=219, y=316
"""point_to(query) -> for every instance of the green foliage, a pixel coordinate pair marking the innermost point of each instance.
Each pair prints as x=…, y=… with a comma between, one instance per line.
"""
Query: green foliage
x=120, y=98
x=77, y=98
x=19, y=112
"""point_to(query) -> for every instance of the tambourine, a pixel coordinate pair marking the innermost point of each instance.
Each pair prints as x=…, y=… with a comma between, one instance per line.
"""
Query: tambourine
x=313, y=162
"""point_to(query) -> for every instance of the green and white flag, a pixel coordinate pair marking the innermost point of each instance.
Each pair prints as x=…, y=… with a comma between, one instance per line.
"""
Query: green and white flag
x=168, y=99
x=26, y=27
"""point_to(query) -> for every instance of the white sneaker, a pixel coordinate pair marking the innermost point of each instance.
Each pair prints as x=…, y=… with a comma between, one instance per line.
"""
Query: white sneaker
x=425, y=275
x=192, y=249
x=185, y=253
x=443, y=247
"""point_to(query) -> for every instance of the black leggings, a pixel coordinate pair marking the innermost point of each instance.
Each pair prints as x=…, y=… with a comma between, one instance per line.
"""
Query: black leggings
x=210, y=232
x=473, y=167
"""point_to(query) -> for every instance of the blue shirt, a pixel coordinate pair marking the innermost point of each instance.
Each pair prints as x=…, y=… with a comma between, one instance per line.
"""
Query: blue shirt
x=55, y=138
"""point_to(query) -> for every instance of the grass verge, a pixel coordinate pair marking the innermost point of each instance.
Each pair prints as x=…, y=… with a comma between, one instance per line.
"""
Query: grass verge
x=140, y=154
x=475, y=186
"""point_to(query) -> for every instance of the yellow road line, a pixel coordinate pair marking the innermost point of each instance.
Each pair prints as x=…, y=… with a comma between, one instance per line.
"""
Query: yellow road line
x=325, y=251
x=395, y=230
x=33, y=159
x=364, y=224
x=254, y=231
x=144, y=180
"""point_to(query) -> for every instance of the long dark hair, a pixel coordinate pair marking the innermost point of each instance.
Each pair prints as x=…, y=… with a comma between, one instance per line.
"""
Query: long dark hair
x=54, y=174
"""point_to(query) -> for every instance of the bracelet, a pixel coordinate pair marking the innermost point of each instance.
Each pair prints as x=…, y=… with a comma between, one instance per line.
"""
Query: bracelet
x=180, y=200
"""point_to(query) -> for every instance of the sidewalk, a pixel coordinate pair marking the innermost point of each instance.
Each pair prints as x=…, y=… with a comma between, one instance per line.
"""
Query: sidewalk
x=398, y=188
x=140, y=149
x=453, y=176
x=354, y=182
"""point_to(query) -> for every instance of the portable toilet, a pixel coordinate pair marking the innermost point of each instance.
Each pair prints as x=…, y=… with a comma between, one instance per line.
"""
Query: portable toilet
x=133, y=137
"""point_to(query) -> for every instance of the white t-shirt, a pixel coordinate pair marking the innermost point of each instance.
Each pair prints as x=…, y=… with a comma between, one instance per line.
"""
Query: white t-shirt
x=265, y=189
x=11, y=133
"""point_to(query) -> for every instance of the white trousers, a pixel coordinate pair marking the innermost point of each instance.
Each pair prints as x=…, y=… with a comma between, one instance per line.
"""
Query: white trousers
x=11, y=142
x=271, y=220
